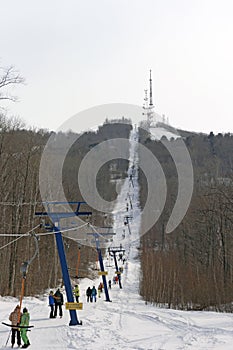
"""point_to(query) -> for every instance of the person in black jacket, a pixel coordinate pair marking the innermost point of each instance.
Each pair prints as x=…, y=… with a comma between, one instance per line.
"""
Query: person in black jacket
x=58, y=299
x=88, y=294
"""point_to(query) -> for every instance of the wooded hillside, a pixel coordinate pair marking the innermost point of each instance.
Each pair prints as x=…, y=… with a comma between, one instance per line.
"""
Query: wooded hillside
x=192, y=267
x=20, y=154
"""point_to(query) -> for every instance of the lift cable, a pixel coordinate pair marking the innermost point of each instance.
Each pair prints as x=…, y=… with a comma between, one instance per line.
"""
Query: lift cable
x=18, y=235
x=21, y=235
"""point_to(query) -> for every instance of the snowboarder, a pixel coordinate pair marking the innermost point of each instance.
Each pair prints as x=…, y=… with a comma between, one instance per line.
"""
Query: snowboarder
x=51, y=304
x=76, y=293
x=93, y=293
x=88, y=294
x=15, y=319
x=24, y=321
x=58, y=302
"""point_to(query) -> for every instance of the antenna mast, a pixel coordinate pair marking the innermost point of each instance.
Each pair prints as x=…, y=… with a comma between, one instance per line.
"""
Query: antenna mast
x=149, y=107
x=151, y=102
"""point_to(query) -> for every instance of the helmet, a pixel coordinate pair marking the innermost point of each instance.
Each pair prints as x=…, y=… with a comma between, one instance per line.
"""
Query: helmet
x=25, y=310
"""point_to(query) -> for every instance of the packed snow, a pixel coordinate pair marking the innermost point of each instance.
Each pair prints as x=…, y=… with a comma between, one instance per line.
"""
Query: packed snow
x=126, y=322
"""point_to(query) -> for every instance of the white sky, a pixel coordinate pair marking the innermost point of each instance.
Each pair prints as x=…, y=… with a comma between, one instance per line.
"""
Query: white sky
x=77, y=54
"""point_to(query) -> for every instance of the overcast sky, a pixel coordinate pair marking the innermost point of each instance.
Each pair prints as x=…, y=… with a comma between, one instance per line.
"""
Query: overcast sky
x=76, y=54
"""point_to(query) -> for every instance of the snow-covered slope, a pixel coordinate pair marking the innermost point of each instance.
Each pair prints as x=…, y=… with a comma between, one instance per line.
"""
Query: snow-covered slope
x=126, y=322
x=158, y=132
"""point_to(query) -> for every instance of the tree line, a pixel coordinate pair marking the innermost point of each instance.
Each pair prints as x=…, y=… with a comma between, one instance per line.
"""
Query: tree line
x=21, y=149
x=192, y=267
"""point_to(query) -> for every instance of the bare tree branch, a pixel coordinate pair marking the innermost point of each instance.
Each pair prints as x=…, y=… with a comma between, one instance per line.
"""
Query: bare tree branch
x=9, y=77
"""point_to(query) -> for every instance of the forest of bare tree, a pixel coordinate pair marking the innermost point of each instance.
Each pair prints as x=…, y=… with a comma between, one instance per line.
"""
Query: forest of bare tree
x=20, y=154
x=192, y=267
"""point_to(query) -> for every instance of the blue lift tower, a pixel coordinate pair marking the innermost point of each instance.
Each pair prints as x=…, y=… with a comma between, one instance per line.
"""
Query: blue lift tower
x=97, y=238
x=56, y=217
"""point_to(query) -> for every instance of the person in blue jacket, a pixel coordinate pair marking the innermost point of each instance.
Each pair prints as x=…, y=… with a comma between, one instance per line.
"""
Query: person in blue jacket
x=94, y=293
x=51, y=304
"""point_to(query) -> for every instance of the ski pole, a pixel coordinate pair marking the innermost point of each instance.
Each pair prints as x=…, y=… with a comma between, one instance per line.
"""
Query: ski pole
x=8, y=338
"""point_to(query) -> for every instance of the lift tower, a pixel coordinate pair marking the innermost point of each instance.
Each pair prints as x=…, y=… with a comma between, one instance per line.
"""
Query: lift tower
x=56, y=216
x=97, y=238
x=112, y=251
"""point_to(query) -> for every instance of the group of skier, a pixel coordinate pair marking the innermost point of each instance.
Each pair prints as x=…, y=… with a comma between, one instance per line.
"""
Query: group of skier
x=91, y=294
x=20, y=323
x=56, y=301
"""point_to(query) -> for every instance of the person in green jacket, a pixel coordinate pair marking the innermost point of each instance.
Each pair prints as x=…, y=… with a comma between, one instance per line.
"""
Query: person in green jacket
x=76, y=293
x=24, y=321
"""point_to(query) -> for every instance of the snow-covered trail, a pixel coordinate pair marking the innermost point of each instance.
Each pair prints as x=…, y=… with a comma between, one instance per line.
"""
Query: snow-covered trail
x=126, y=322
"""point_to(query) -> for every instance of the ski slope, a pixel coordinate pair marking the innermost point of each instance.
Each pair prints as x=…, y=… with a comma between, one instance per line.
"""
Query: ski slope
x=126, y=322
x=158, y=132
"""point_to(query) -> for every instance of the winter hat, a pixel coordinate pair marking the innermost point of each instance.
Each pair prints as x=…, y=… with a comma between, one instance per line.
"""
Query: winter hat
x=25, y=310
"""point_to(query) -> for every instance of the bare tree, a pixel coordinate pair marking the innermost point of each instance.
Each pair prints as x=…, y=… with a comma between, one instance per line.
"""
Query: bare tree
x=9, y=77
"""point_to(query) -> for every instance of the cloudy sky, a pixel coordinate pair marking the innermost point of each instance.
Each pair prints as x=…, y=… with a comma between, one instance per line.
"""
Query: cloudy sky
x=78, y=54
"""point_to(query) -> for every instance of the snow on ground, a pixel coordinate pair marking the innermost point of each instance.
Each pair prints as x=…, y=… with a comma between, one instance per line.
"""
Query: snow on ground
x=157, y=133
x=126, y=322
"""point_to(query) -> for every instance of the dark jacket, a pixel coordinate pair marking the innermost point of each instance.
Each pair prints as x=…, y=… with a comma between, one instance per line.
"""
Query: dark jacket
x=58, y=298
x=88, y=292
